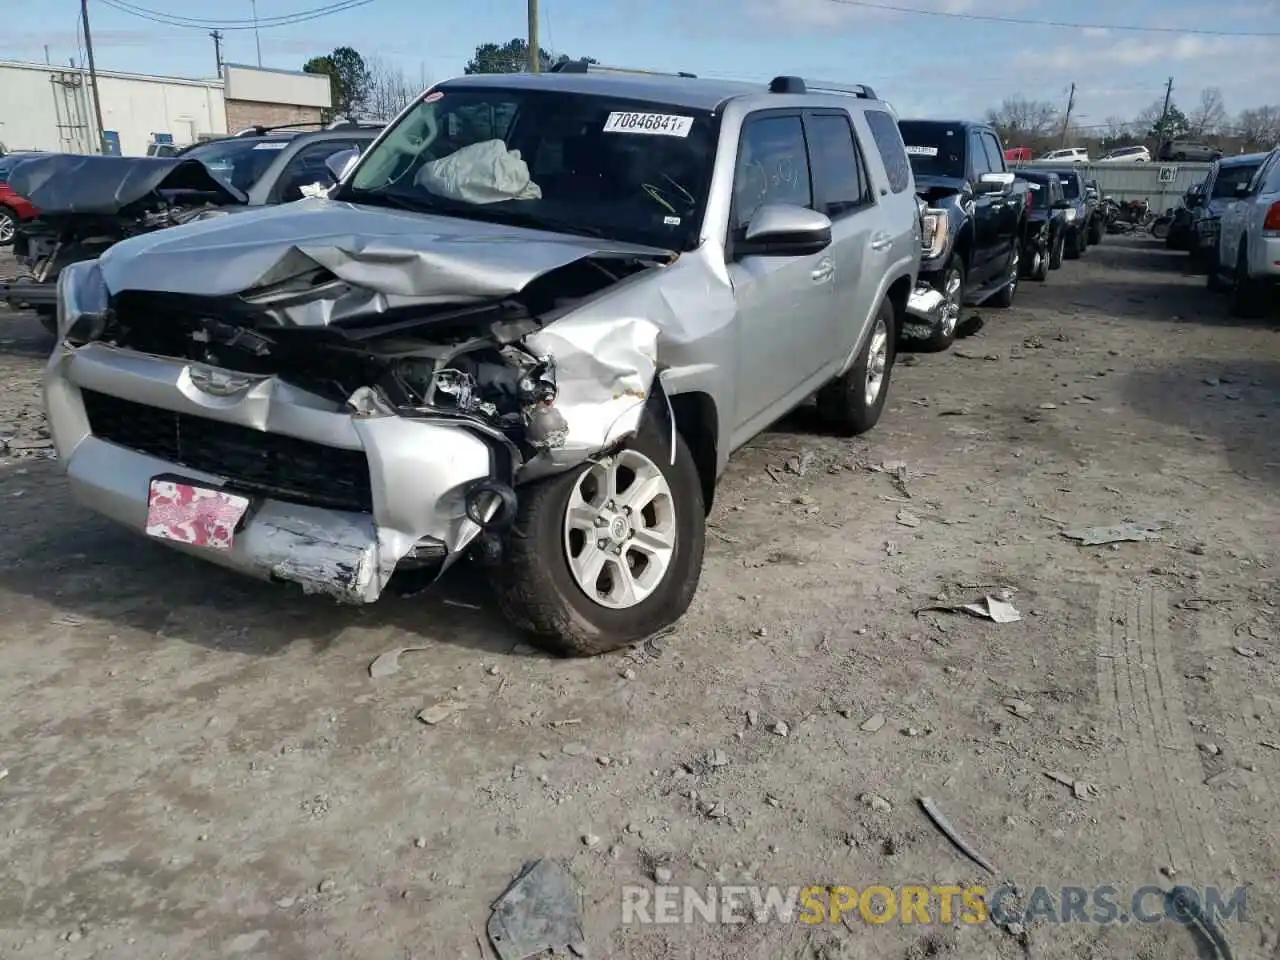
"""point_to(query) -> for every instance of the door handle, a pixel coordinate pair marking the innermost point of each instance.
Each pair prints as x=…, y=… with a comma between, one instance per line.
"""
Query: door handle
x=881, y=241
x=825, y=270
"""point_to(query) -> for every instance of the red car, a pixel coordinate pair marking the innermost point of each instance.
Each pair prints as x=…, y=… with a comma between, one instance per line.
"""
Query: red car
x=13, y=208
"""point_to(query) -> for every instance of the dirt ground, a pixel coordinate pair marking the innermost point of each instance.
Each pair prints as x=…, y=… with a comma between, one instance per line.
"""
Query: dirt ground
x=199, y=765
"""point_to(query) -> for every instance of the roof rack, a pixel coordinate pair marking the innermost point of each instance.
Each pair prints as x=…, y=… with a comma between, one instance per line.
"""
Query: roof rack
x=584, y=66
x=789, y=84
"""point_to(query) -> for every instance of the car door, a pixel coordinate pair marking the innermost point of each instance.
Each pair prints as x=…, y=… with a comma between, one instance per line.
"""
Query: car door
x=1234, y=220
x=985, y=215
x=785, y=303
x=842, y=190
x=1007, y=206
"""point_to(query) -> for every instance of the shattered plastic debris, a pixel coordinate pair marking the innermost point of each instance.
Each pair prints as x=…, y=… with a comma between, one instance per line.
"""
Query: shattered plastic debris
x=385, y=664
x=1082, y=789
x=988, y=608
x=1119, y=533
x=540, y=912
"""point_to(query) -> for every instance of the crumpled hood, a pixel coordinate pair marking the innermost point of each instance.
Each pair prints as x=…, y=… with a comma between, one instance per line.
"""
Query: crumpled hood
x=395, y=257
x=62, y=184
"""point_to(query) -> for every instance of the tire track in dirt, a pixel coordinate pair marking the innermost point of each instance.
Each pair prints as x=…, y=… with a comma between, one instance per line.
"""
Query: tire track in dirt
x=1144, y=716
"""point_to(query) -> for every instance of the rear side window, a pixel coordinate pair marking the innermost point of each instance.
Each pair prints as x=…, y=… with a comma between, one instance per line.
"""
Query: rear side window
x=1228, y=177
x=888, y=138
x=839, y=177
x=772, y=167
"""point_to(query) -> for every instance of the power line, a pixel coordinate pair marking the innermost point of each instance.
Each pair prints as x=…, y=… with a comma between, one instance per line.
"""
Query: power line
x=284, y=20
x=1068, y=25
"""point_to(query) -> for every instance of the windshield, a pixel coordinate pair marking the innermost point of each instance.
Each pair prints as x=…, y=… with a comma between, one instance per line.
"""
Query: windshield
x=633, y=171
x=1229, y=177
x=1070, y=185
x=240, y=163
x=935, y=149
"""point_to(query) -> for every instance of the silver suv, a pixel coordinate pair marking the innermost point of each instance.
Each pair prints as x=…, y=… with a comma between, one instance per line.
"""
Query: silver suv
x=1248, y=254
x=532, y=323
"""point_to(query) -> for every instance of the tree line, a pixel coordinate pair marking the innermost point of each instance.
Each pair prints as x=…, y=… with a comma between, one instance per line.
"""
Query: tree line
x=1039, y=124
x=373, y=89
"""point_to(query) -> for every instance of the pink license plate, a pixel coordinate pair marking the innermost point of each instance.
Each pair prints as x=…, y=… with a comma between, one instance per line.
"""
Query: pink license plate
x=194, y=515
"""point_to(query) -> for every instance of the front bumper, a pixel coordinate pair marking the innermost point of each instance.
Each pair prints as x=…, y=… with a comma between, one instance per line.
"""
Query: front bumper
x=339, y=500
x=927, y=305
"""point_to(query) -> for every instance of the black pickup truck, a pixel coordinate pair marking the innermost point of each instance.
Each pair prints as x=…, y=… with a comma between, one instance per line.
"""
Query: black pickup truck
x=977, y=213
x=1044, y=241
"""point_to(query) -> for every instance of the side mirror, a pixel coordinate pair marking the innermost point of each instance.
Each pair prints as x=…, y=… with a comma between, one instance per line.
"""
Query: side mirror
x=340, y=163
x=993, y=183
x=785, y=230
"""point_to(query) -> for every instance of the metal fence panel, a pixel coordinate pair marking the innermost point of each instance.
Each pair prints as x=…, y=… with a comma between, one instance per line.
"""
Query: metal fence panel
x=1160, y=184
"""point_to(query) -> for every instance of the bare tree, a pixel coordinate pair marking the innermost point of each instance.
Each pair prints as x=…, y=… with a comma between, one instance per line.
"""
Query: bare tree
x=1117, y=131
x=1210, y=115
x=1018, y=118
x=389, y=89
x=1259, y=128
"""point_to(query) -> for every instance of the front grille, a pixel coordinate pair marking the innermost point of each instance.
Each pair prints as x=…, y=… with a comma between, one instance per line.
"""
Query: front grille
x=254, y=462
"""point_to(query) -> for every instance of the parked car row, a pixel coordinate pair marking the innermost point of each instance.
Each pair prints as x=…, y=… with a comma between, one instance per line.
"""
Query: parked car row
x=1245, y=243
x=528, y=325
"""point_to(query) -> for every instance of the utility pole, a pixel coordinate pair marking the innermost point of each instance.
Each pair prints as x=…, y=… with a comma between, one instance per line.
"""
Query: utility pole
x=1066, y=117
x=256, y=39
x=216, y=36
x=535, y=47
x=1164, y=116
x=93, y=75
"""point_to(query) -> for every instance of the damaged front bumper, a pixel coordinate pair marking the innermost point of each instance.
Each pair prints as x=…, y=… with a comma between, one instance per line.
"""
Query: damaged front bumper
x=339, y=500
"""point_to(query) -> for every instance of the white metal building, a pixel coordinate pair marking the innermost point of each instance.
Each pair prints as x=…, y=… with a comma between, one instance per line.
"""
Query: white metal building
x=47, y=107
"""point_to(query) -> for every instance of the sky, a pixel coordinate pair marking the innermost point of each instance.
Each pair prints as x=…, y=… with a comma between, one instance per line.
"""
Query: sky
x=925, y=65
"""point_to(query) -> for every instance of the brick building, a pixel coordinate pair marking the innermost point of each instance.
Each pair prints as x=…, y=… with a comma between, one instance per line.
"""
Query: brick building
x=255, y=96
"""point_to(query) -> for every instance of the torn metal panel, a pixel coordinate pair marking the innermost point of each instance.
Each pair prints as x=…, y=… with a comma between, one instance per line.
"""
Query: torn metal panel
x=395, y=258
x=64, y=184
x=604, y=372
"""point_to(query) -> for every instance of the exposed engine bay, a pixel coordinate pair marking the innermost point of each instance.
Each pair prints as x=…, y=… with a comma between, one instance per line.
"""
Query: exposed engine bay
x=468, y=362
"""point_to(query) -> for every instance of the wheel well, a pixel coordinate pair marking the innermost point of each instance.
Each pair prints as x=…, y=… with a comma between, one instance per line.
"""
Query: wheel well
x=699, y=427
x=899, y=293
x=963, y=244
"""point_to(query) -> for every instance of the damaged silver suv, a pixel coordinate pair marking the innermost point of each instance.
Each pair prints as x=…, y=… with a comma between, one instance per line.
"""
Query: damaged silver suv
x=531, y=323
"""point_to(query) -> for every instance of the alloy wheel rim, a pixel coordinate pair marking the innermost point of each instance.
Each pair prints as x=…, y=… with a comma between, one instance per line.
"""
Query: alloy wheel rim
x=951, y=292
x=620, y=530
x=1014, y=262
x=877, y=362
x=8, y=228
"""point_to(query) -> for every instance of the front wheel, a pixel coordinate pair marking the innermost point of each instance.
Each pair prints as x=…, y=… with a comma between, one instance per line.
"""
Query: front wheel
x=1248, y=296
x=1056, y=248
x=1075, y=246
x=951, y=285
x=851, y=403
x=608, y=553
x=1096, y=230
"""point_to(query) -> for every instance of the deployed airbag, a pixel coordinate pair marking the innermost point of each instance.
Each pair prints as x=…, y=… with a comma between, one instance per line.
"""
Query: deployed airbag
x=485, y=172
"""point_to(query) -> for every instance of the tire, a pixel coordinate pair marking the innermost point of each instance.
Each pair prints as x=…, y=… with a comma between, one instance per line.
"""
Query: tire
x=1040, y=266
x=535, y=584
x=1248, y=296
x=1074, y=249
x=1057, y=246
x=1213, y=275
x=8, y=226
x=851, y=404
x=951, y=279
x=1160, y=227
x=1096, y=230
x=1003, y=298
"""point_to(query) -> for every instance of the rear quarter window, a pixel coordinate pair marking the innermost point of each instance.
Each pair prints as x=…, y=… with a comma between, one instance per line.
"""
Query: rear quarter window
x=888, y=138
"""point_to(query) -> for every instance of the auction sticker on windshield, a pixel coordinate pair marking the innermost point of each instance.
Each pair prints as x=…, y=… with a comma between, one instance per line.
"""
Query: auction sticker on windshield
x=658, y=124
x=922, y=151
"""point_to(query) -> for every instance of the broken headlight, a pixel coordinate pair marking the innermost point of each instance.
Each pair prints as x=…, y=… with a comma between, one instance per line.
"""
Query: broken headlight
x=83, y=301
x=933, y=233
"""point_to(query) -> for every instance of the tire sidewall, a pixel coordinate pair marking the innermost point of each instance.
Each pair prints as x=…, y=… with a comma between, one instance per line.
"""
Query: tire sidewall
x=681, y=580
x=869, y=414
